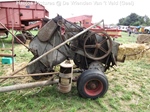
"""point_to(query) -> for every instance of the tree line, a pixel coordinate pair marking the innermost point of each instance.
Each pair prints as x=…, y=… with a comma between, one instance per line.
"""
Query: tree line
x=135, y=20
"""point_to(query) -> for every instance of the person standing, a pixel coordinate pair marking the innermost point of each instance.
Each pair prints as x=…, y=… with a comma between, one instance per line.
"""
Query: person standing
x=129, y=30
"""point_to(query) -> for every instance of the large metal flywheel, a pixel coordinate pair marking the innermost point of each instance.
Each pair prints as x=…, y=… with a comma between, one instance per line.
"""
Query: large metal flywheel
x=97, y=48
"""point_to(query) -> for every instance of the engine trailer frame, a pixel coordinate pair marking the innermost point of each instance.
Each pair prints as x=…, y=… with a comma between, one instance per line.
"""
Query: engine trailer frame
x=72, y=42
x=50, y=81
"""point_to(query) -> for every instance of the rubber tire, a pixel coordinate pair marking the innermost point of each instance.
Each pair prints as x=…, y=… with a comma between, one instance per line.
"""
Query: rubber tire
x=86, y=72
x=87, y=76
x=21, y=37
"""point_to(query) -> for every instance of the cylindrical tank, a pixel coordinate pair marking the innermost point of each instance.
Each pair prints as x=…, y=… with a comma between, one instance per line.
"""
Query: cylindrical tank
x=65, y=77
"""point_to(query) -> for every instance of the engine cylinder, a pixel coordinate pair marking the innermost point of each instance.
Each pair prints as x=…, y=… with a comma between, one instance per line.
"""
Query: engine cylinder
x=65, y=77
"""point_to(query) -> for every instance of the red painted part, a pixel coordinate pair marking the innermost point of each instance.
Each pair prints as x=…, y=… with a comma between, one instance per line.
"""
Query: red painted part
x=17, y=15
x=85, y=21
x=39, y=24
x=115, y=33
x=80, y=18
x=93, y=87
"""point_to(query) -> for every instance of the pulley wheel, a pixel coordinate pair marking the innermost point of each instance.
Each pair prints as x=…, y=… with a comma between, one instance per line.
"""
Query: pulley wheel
x=97, y=47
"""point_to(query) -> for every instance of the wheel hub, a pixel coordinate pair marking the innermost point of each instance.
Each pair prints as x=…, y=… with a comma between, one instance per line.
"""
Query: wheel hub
x=98, y=45
x=93, y=86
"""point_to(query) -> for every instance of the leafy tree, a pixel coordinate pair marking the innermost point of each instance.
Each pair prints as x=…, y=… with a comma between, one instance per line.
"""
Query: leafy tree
x=121, y=21
x=135, y=20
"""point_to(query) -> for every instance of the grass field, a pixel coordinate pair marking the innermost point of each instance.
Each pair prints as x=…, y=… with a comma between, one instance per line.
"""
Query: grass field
x=129, y=89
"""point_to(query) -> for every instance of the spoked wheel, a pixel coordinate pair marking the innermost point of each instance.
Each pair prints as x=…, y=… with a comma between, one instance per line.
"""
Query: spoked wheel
x=28, y=35
x=92, y=84
x=21, y=37
x=36, y=67
x=97, y=47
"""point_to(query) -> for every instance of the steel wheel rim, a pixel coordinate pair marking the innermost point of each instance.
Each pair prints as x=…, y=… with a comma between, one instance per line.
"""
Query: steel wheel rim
x=93, y=87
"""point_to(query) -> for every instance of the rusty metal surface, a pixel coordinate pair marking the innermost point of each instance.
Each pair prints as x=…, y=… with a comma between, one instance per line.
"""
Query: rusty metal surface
x=63, y=88
x=7, y=55
x=47, y=31
x=99, y=46
x=29, y=75
x=28, y=85
x=53, y=49
x=65, y=77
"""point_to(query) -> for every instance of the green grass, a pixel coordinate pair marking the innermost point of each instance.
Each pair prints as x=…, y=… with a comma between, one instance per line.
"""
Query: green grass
x=129, y=90
x=125, y=39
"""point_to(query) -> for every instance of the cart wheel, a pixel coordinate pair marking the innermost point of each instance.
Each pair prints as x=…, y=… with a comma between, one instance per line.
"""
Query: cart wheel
x=97, y=48
x=28, y=35
x=92, y=84
x=21, y=37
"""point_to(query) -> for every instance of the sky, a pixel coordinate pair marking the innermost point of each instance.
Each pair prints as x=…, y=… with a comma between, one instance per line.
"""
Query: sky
x=109, y=10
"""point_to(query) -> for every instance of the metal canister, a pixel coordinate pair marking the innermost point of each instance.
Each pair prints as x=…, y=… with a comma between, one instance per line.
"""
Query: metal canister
x=65, y=77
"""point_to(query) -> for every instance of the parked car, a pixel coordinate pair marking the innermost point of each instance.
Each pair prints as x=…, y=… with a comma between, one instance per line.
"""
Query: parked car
x=147, y=30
